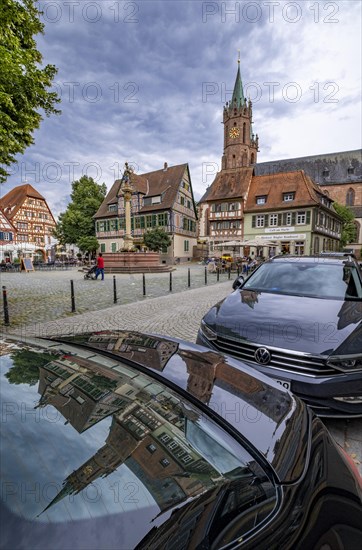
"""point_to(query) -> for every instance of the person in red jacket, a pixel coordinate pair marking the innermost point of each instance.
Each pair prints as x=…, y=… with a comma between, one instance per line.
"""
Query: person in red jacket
x=100, y=266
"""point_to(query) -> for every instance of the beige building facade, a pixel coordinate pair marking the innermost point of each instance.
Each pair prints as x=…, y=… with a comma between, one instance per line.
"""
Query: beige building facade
x=163, y=198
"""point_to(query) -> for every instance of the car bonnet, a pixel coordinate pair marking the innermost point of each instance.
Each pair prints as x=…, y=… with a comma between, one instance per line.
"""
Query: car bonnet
x=266, y=416
x=298, y=323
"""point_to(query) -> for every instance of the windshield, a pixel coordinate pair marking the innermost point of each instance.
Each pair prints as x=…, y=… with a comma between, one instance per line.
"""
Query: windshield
x=319, y=279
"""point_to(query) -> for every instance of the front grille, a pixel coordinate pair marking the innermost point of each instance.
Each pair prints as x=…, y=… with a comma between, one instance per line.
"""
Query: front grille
x=300, y=363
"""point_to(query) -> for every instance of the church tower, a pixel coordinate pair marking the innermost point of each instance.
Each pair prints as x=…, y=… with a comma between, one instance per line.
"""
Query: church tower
x=240, y=143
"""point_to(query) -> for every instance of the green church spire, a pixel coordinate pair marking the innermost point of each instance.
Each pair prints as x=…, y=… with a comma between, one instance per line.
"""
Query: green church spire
x=238, y=93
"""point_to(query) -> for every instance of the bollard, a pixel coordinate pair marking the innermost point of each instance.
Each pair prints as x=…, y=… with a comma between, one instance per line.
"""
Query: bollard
x=6, y=308
x=217, y=274
x=72, y=295
x=189, y=278
x=205, y=275
x=144, y=284
x=229, y=272
x=114, y=290
x=170, y=281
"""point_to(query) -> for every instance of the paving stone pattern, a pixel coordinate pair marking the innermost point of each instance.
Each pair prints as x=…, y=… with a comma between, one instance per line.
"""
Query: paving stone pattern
x=46, y=295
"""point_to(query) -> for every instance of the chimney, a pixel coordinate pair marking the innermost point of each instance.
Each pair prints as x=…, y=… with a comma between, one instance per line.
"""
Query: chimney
x=165, y=166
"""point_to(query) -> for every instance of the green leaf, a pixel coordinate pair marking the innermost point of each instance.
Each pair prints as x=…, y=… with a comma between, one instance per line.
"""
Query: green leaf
x=24, y=83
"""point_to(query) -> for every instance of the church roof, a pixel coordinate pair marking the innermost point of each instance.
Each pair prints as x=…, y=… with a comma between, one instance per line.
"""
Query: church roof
x=238, y=93
x=229, y=184
x=273, y=186
x=325, y=169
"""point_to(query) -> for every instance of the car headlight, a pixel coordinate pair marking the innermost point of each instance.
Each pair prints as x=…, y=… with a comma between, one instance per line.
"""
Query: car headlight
x=208, y=332
x=346, y=363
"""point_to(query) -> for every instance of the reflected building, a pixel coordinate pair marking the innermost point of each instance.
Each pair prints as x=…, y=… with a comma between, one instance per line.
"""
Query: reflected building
x=77, y=393
x=209, y=369
x=149, y=350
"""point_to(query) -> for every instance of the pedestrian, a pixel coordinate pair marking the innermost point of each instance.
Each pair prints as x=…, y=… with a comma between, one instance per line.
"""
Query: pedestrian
x=100, y=266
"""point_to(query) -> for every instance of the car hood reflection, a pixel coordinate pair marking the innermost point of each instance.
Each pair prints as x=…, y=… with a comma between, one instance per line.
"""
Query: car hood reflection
x=293, y=322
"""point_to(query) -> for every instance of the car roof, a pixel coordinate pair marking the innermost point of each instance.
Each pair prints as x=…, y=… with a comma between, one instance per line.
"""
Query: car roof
x=336, y=258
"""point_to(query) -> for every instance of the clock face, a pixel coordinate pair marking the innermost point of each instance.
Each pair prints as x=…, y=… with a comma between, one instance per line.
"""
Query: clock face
x=234, y=132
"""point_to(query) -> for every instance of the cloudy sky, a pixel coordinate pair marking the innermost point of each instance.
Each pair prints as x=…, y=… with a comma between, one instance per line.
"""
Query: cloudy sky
x=145, y=81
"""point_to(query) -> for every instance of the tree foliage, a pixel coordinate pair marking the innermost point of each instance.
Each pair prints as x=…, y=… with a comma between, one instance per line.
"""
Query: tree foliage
x=156, y=239
x=23, y=82
x=26, y=364
x=77, y=223
x=348, y=234
x=88, y=244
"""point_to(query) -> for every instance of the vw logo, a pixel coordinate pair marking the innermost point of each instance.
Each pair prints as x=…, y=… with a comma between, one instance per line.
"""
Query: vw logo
x=262, y=356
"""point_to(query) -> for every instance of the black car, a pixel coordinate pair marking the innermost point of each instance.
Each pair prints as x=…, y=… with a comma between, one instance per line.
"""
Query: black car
x=299, y=320
x=121, y=440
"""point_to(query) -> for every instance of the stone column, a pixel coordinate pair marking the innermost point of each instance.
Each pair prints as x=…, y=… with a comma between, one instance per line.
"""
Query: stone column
x=127, y=189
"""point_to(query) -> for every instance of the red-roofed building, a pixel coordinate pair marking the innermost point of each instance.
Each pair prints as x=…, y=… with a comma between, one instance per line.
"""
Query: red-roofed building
x=289, y=210
x=29, y=213
x=284, y=209
x=162, y=198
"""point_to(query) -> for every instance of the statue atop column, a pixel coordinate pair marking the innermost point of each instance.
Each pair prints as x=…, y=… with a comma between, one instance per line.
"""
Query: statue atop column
x=127, y=188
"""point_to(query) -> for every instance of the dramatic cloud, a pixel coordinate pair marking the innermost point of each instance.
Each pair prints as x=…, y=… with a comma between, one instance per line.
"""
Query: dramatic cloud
x=146, y=81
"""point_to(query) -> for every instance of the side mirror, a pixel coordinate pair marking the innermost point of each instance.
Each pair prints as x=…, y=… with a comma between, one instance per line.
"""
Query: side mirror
x=239, y=281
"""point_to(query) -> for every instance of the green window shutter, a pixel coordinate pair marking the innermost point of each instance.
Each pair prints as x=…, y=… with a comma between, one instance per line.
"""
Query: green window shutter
x=103, y=247
x=293, y=218
x=253, y=221
x=132, y=223
x=285, y=218
x=280, y=219
x=266, y=220
x=308, y=216
x=154, y=220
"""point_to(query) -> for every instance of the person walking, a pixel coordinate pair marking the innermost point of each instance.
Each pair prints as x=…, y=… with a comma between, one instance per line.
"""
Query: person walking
x=100, y=266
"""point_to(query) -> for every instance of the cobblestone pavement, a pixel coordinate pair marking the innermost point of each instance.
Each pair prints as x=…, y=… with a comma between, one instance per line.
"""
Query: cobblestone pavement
x=46, y=295
x=39, y=305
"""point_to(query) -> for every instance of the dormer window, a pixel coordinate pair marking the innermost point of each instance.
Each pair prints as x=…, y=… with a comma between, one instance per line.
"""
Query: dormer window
x=157, y=199
x=261, y=199
x=350, y=170
x=287, y=197
x=112, y=208
x=325, y=173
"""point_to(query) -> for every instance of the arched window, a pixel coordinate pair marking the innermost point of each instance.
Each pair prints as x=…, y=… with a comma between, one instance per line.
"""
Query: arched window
x=244, y=131
x=252, y=159
x=350, y=197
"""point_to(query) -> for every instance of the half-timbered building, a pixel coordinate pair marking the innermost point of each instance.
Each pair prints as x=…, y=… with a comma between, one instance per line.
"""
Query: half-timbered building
x=30, y=214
